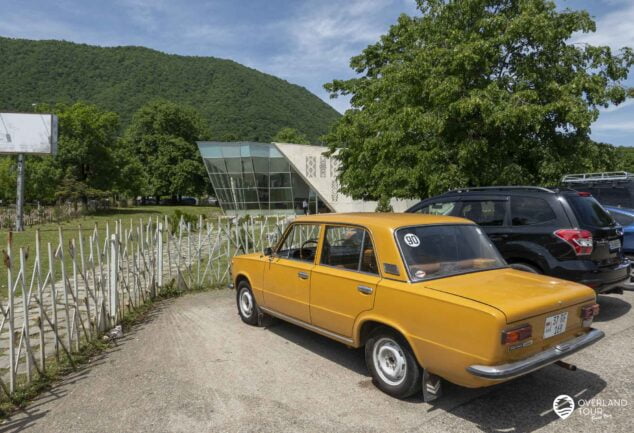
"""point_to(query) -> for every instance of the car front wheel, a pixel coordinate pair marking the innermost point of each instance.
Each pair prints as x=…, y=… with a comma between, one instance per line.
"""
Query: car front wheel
x=392, y=364
x=247, y=306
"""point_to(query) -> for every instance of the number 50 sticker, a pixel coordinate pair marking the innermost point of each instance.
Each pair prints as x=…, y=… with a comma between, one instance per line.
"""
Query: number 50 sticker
x=411, y=240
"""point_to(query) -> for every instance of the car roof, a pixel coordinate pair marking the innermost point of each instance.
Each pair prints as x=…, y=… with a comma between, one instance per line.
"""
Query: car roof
x=382, y=219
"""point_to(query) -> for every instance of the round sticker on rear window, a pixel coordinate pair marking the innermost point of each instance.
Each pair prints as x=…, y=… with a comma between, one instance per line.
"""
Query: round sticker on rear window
x=420, y=274
x=411, y=240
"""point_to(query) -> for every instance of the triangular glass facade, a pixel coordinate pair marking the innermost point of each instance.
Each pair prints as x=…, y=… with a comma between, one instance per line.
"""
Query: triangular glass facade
x=255, y=178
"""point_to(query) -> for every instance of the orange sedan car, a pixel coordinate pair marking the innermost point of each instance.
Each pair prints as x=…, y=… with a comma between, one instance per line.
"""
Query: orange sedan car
x=428, y=296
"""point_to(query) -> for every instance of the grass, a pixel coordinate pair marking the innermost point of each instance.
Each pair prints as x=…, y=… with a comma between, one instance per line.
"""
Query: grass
x=57, y=369
x=49, y=233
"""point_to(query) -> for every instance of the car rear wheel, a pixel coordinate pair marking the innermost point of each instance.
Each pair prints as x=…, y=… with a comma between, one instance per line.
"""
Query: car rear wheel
x=247, y=306
x=392, y=364
x=526, y=268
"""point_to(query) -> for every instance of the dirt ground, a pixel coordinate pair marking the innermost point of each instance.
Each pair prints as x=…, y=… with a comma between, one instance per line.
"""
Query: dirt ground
x=195, y=367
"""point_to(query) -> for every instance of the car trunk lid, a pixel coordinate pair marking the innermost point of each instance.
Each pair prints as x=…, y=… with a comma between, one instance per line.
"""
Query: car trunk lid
x=519, y=295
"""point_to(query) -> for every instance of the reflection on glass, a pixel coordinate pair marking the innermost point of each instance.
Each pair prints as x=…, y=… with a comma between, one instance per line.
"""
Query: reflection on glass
x=256, y=177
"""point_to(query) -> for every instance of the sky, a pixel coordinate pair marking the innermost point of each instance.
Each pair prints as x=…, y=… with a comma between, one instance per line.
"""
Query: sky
x=306, y=42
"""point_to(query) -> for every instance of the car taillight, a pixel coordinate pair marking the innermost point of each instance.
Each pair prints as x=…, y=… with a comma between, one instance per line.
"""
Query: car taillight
x=579, y=240
x=584, y=194
x=517, y=334
x=589, y=311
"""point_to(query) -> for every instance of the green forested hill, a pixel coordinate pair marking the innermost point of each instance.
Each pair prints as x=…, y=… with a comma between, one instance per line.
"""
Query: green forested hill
x=238, y=102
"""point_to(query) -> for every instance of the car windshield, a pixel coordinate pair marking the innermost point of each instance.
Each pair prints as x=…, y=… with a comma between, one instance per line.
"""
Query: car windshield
x=439, y=251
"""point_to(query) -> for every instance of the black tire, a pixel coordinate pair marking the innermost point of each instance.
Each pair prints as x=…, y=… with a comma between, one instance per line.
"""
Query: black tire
x=247, y=306
x=392, y=364
x=525, y=267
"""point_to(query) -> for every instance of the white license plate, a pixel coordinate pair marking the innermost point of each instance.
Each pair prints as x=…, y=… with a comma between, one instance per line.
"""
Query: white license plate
x=555, y=325
x=614, y=244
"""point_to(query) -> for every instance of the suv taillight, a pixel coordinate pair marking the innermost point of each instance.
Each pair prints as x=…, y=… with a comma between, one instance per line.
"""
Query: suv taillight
x=579, y=240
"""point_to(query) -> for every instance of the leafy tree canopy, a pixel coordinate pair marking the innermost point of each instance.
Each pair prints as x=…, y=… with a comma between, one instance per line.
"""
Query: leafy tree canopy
x=162, y=137
x=290, y=135
x=475, y=92
x=625, y=159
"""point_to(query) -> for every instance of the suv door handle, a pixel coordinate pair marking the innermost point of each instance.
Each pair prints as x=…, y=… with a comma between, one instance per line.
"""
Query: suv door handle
x=303, y=275
x=365, y=290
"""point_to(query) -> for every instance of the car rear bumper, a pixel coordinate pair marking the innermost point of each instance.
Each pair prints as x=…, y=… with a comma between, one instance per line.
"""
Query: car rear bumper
x=601, y=279
x=535, y=362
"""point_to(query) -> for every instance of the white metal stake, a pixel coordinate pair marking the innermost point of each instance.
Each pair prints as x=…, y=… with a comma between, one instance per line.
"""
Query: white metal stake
x=160, y=255
x=112, y=278
x=11, y=317
x=25, y=307
x=38, y=263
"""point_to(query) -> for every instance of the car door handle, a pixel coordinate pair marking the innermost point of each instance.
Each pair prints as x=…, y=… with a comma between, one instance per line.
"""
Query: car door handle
x=365, y=290
x=303, y=275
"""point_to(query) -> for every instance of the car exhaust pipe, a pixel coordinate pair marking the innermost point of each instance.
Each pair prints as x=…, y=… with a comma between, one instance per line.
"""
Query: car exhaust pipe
x=567, y=366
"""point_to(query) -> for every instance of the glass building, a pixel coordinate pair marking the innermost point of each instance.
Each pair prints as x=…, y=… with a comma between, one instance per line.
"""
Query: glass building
x=256, y=178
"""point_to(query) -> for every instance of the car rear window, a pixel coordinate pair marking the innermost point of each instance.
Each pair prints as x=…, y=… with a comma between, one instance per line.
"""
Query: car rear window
x=443, y=250
x=589, y=212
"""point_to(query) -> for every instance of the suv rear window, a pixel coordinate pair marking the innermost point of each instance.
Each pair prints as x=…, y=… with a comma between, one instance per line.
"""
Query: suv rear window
x=589, y=212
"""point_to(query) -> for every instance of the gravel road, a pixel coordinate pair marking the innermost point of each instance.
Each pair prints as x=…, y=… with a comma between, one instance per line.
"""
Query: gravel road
x=195, y=367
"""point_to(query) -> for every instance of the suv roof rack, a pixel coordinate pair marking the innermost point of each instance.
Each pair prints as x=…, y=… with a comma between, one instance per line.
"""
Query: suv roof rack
x=607, y=176
x=503, y=188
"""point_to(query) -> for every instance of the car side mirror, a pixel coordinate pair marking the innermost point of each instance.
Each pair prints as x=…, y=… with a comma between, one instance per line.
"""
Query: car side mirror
x=268, y=251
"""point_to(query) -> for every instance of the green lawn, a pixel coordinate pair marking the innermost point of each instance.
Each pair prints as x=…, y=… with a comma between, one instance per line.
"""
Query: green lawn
x=49, y=233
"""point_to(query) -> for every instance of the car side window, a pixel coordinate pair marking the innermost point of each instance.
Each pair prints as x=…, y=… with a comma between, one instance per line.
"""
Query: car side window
x=485, y=213
x=300, y=243
x=439, y=208
x=350, y=248
x=529, y=210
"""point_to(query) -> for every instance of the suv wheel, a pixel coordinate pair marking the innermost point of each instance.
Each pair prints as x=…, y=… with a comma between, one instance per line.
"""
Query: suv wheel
x=526, y=268
x=247, y=306
x=392, y=364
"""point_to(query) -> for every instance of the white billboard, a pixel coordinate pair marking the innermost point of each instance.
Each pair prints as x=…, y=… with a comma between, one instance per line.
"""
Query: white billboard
x=28, y=133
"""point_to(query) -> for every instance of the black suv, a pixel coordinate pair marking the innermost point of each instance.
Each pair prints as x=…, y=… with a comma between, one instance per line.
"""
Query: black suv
x=558, y=232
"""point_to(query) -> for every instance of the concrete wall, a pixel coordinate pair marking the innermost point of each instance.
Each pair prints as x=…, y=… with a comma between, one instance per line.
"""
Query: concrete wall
x=320, y=172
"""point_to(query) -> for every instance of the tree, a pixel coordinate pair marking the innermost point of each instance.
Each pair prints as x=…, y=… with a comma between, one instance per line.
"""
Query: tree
x=290, y=135
x=625, y=159
x=87, y=138
x=475, y=92
x=163, y=137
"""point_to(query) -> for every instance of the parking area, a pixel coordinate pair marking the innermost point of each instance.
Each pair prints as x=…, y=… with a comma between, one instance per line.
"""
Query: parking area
x=195, y=367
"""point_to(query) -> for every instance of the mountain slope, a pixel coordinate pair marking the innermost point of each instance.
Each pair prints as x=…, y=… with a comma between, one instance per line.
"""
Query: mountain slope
x=235, y=100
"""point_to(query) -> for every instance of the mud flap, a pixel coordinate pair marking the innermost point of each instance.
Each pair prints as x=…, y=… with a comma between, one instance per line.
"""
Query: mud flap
x=432, y=386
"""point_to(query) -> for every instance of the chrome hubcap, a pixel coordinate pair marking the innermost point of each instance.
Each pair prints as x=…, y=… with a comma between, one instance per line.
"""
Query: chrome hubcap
x=246, y=303
x=389, y=361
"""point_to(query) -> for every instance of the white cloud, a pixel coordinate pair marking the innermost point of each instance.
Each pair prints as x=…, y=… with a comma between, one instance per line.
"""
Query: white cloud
x=625, y=126
x=324, y=36
x=614, y=29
